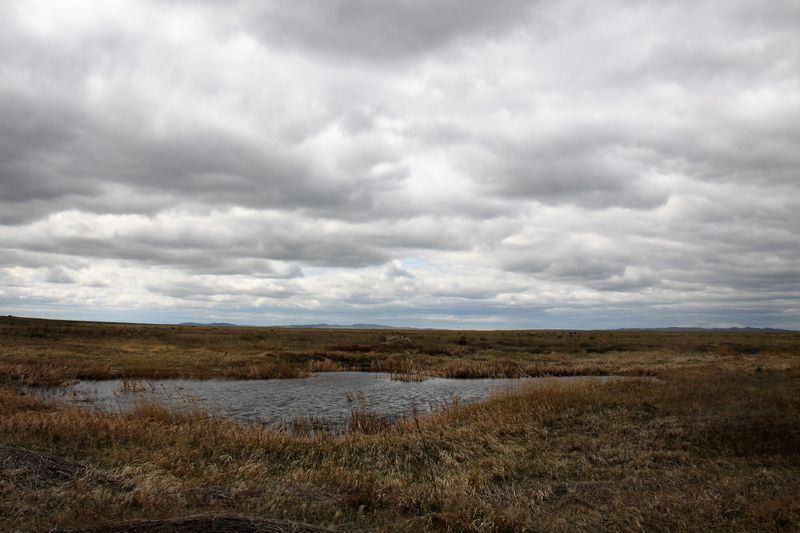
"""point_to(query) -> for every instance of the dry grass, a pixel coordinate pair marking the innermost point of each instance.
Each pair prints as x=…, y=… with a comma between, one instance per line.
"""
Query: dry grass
x=40, y=352
x=713, y=445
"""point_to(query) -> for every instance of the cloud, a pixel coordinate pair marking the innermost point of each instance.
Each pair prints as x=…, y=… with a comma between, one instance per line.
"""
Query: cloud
x=60, y=275
x=420, y=162
x=379, y=31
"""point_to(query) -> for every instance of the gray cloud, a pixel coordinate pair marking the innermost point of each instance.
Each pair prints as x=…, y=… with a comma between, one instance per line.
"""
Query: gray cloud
x=456, y=162
x=210, y=291
x=60, y=275
x=52, y=152
x=380, y=31
x=581, y=169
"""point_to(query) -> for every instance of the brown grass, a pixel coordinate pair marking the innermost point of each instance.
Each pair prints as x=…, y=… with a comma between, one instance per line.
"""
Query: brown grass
x=40, y=352
x=714, y=444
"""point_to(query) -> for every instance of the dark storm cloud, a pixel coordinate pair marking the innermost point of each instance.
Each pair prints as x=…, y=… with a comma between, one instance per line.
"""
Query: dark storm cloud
x=51, y=151
x=34, y=134
x=210, y=256
x=576, y=168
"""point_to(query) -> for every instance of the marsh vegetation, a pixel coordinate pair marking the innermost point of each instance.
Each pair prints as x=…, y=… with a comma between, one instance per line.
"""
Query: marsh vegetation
x=714, y=443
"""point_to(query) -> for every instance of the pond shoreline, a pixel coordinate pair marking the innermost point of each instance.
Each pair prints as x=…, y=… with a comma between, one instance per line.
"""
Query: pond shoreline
x=328, y=400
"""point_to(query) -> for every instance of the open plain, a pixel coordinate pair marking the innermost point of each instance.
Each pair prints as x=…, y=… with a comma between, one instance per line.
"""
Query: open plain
x=713, y=443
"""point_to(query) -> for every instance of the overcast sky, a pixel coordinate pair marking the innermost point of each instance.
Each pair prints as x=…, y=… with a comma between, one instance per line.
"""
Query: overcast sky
x=445, y=163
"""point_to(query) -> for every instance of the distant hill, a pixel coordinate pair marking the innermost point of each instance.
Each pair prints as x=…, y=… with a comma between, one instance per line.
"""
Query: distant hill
x=214, y=324
x=342, y=326
x=295, y=326
x=690, y=329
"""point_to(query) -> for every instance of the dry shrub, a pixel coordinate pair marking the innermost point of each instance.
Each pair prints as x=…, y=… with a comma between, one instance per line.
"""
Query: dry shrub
x=129, y=386
x=355, y=347
x=323, y=365
x=43, y=374
x=397, y=339
x=468, y=369
x=362, y=420
x=396, y=365
x=410, y=377
x=272, y=370
x=11, y=402
x=153, y=409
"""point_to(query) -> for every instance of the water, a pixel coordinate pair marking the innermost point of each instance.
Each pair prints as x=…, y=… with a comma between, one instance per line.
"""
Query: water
x=326, y=399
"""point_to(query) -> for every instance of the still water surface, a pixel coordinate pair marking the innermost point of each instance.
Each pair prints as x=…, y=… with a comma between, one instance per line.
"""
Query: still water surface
x=326, y=398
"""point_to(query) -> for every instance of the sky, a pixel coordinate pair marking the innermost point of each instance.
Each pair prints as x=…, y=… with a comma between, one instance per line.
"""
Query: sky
x=428, y=163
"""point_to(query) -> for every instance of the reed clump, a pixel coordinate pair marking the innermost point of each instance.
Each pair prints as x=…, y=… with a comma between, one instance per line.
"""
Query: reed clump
x=154, y=409
x=323, y=365
x=465, y=369
x=130, y=386
x=271, y=370
x=363, y=420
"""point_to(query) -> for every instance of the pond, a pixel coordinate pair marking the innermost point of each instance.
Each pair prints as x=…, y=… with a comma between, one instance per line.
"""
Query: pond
x=325, y=399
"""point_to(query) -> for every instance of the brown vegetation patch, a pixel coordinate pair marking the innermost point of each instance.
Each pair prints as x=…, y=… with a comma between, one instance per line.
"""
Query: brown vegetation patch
x=202, y=523
x=27, y=469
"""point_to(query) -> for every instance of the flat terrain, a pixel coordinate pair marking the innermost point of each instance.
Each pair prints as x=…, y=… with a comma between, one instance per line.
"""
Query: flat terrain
x=713, y=443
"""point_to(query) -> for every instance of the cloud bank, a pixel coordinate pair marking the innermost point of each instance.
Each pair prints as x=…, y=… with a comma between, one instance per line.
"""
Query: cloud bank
x=436, y=163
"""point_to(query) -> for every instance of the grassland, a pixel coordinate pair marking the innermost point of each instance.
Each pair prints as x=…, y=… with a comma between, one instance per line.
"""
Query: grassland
x=714, y=444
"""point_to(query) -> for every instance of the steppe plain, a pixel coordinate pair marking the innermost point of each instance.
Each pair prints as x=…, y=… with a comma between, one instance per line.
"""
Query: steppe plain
x=704, y=436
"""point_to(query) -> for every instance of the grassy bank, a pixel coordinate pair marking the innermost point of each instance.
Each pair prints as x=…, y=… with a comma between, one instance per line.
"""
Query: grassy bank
x=715, y=444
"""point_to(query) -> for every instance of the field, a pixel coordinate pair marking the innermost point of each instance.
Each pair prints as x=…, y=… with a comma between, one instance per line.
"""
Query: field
x=712, y=444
